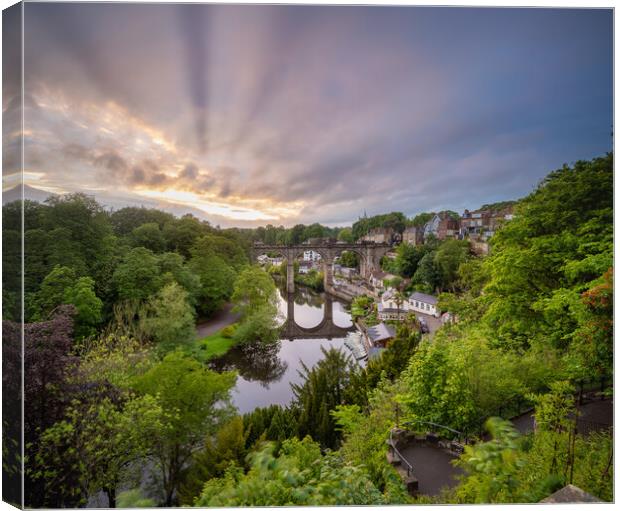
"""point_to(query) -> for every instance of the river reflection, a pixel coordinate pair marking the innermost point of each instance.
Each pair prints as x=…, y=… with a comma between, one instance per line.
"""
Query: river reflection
x=267, y=371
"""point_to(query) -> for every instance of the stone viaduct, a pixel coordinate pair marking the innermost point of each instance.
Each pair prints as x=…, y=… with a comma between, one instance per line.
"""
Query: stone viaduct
x=369, y=253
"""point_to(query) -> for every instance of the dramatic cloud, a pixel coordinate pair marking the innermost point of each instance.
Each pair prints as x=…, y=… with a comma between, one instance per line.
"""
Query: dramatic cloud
x=287, y=114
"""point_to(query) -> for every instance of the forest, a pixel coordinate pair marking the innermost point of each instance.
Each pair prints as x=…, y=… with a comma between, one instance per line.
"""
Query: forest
x=124, y=405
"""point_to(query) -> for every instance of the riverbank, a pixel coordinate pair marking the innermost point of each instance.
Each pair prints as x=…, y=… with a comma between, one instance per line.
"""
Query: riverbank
x=222, y=318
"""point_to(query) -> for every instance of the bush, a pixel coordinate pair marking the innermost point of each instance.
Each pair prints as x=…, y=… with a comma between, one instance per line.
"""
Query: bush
x=229, y=331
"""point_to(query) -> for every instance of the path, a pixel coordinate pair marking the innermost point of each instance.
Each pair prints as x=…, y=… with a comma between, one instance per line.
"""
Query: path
x=224, y=317
x=432, y=468
x=593, y=416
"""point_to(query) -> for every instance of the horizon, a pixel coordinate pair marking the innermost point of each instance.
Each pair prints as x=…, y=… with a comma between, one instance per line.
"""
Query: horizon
x=284, y=114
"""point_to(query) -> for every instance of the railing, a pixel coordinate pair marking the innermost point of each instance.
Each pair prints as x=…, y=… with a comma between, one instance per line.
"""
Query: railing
x=398, y=453
x=460, y=436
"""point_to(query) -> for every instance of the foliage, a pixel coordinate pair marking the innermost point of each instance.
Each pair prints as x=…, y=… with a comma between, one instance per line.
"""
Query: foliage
x=349, y=259
x=133, y=498
x=460, y=384
x=300, y=475
x=274, y=423
x=323, y=387
x=492, y=467
x=313, y=279
x=149, y=236
x=394, y=220
x=170, y=319
x=216, y=281
x=226, y=449
x=138, y=276
x=47, y=354
x=98, y=441
x=361, y=306
x=559, y=242
x=365, y=435
x=254, y=290
x=197, y=403
x=257, y=326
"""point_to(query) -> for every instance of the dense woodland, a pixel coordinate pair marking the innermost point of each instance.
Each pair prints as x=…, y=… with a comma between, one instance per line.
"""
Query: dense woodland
x=123, y=405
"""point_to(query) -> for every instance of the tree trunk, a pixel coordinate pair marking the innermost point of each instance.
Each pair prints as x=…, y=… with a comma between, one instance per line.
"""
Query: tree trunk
x=111, y=493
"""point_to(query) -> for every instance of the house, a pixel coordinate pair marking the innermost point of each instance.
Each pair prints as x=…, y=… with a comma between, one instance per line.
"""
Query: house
x=421, y=302
x=348, y=272
x=442, y=226
x=391, y=307
x=305, y=267
x=413, y=235
x=379, y=335
x=311, y=255
x=377, y=277
x=482, y=223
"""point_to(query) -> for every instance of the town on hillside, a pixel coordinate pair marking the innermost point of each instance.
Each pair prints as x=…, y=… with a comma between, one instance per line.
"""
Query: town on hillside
x=394, y=299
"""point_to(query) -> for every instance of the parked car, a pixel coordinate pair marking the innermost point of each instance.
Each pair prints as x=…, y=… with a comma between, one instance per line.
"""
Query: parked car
x=423, y=326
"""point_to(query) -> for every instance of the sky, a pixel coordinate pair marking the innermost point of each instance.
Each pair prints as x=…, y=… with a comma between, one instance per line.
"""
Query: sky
x=248, y=115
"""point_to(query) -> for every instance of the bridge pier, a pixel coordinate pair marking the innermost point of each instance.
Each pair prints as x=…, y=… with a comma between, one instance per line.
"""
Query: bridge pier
x=290, y=276
x=328, y=274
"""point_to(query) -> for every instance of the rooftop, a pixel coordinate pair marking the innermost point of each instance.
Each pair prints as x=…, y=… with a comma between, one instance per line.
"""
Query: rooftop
x=380, y=332
x=423, y=297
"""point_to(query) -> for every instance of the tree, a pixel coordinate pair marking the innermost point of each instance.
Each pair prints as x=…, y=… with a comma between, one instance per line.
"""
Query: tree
x=346, y=234
x=349, y=259
x=300, y=475
x=559, y=242
x=254, y=290
x=52, y=291
x=323, y=387
x=427, y=275
x=226, y=449
x=99, y=441
x=170, y=319
x=216, y=281
x=87, y=304
x=197, y=402
x=149, y=236
x=448, y=258
x=137, y=277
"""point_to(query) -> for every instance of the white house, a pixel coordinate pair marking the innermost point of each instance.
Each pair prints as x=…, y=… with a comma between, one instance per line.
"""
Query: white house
x=305, y=267
x=421, y=302
x=377, y=277
x=311, y=255
x=389, y=308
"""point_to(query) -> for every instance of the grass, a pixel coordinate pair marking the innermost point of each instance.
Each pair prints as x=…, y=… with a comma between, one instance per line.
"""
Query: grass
x=212, y=346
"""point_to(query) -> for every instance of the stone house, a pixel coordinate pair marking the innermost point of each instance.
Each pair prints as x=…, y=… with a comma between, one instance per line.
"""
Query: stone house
x=413, y=235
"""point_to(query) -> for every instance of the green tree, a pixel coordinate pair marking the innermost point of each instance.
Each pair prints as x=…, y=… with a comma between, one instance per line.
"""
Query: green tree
x=138, y=276
x=226, y=449
x=52, y=291
x=149, y=236
x=88, y=305
x=99, y=441
x=170, y=319
x=254, y=290
x=450, y=255
x=197, y=402
x=216, y=281
x=323, y=387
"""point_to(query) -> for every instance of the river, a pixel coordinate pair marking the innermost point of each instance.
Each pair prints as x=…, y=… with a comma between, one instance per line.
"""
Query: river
x=267, y=371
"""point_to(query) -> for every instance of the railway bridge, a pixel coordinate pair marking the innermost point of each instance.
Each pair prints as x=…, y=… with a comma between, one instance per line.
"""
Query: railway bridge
x=369, y=254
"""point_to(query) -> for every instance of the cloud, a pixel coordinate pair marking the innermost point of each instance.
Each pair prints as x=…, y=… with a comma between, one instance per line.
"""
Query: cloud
x=299, y=114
